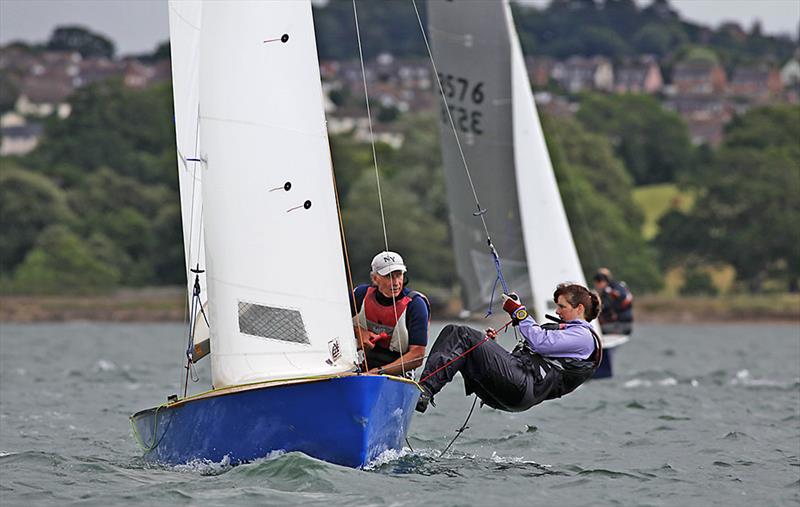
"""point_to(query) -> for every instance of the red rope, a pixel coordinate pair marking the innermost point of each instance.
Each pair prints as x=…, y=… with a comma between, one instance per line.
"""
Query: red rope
x=448, y=363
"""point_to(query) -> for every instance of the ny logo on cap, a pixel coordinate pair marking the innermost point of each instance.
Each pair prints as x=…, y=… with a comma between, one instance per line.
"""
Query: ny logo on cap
x=388, y=258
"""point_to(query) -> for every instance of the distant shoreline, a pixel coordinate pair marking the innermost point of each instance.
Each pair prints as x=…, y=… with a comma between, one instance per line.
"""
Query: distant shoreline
x=168, y=304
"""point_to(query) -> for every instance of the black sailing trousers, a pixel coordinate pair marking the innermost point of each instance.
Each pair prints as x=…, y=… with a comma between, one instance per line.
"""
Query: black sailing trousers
x=503, y=380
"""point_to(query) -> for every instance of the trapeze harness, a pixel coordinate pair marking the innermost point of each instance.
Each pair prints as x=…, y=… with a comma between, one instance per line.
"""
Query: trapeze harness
x=557, y=376
x=536, y=378
x=388, y=323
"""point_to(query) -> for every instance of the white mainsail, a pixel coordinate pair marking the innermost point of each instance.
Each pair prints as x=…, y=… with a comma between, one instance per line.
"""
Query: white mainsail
x=185, y=18
x=278, y=297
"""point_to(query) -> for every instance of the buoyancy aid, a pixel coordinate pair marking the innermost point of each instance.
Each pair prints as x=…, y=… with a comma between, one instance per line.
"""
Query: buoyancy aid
x=387, y=321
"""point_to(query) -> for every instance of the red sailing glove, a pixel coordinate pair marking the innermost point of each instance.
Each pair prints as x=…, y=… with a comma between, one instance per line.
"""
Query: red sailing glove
x=512, y=305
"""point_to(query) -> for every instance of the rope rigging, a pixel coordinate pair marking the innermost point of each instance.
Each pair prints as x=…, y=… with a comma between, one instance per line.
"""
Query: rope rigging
x=479, y=212
x=377, y=173
x=193, y=257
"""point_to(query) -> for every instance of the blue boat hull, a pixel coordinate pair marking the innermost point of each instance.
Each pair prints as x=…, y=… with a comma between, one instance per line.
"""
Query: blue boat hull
x=347, y=420
x=605, y=370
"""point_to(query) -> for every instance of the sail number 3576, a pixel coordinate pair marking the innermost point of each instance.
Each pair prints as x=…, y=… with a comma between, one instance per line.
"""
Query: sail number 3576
x=465, y=96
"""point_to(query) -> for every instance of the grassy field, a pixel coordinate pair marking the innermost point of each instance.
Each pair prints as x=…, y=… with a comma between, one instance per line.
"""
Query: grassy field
x=779, y=307
x=655, y=200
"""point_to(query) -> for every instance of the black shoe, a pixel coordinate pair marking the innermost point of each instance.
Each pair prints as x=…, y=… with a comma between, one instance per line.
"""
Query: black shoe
x=425, y=398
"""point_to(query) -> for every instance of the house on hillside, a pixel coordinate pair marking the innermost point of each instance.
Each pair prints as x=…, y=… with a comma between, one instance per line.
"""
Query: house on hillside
x=704, y=115
x=790, y=78
x=578, y=74
x=642, y=76
x=554, y=105
x=699, y=77
x=19, y=139
x=790, y=72
x=44, y=95
x=16, y=60
x=539, y=70
x=137, y=75
x=756, y=83
x=97, y=69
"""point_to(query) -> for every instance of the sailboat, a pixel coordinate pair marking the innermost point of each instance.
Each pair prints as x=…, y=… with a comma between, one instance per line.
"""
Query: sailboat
x=264, y=253
x=484, y=80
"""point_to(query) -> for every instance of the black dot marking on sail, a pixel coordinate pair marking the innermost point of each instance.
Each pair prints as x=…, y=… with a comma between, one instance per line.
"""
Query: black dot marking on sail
x=287, y=186
x=305, y=205
x=285, y=38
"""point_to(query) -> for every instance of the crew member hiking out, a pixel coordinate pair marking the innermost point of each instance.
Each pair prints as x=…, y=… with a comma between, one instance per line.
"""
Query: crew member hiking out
x=617, y=314
x=390, y=321
x=553, y=360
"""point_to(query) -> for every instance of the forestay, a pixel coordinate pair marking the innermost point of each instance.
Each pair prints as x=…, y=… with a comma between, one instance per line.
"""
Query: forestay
x=278, y=296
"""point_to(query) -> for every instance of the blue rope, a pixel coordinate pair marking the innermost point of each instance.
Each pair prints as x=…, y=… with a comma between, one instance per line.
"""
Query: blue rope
x=499, y=278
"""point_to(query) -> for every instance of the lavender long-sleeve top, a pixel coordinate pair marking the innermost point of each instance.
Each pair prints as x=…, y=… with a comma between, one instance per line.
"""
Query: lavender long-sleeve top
x=575, y=340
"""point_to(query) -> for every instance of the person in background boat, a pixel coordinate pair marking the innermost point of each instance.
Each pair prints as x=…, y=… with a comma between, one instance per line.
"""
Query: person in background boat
x=390, y=321
x=617, y=299
x=552, y=360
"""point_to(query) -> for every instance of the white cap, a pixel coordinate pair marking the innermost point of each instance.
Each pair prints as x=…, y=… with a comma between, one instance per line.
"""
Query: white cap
x=387, y=262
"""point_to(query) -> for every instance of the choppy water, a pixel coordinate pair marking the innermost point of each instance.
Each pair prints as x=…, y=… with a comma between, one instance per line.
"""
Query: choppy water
x=697, y=415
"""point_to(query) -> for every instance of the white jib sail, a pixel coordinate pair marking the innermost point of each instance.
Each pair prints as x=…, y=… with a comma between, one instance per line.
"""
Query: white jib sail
x=184, y=29
x=278, y=295
x=550, y=250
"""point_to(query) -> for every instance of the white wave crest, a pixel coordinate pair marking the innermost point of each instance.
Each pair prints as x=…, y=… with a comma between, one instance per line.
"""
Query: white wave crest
x=639, y=382
x=387, y=456
x=743, y=378
x=205, y=466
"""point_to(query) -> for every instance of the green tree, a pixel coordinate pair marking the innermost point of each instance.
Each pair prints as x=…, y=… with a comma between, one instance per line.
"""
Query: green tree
x=29, y=203
x=748, y=212
x=168, y=255
x=659, y=38
x=698, y=281
x=596, y=192
x=351, y=158
x=111, y=126
x=123, y=210
x=414, y=202
x=386, y=27
x=62, y=263
x=653, y=143
x=77, y=38
x=9, y=92
x=422, y=240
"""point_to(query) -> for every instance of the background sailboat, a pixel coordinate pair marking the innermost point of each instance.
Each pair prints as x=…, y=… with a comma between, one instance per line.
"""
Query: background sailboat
x=486, y=85
x=283, y=354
